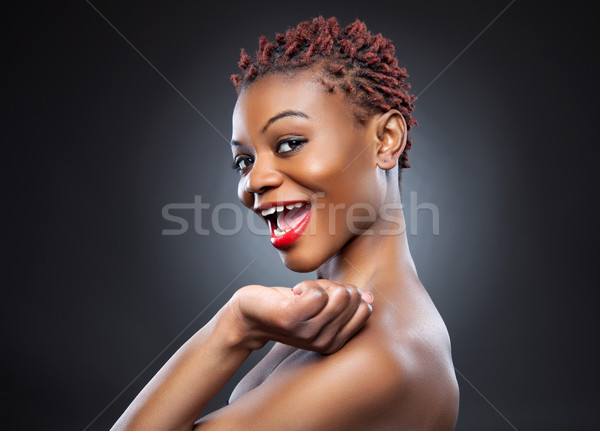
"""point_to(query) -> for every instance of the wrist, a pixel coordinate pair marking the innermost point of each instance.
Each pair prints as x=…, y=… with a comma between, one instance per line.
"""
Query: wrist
x=235, y=329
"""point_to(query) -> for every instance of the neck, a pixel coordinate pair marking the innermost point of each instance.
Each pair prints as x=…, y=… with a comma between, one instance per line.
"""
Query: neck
x=378, y=257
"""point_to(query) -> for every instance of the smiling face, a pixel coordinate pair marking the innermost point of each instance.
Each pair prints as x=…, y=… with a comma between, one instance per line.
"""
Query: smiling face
x=306, y=166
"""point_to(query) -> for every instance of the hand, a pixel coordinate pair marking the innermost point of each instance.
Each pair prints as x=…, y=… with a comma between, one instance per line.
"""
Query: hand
x=320, y=315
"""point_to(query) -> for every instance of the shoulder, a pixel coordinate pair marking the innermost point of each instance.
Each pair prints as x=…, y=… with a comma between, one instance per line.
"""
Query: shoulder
x=375, y=381
x=389, y=375
x=407, y=379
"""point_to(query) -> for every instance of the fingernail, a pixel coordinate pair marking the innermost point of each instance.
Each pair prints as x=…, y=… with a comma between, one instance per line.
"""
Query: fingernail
x=368, y=296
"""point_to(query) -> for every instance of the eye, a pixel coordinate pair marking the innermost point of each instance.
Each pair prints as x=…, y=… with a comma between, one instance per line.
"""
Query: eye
x=241, y=163
x=291, y=144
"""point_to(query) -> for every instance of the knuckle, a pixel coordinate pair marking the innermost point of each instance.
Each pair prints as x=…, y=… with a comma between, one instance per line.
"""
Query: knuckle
x=352, y=287
x=364, y=310
x=317, y=290
x=356, y=293
x=322, y=345
x=308, y=332
x=333, y=347
x=329, y=285
x=342, y=292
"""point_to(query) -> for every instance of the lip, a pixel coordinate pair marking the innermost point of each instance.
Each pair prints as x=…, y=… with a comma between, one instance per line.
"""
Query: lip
x=290, y=236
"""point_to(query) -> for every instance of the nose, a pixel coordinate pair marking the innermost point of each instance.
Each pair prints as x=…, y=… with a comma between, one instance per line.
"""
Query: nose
x=262, y=177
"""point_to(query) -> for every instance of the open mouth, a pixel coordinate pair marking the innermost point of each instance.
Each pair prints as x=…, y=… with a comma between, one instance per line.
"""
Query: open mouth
x=287, y=221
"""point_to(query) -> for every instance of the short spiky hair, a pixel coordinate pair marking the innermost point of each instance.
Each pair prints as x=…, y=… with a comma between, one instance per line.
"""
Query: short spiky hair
x=361, y=65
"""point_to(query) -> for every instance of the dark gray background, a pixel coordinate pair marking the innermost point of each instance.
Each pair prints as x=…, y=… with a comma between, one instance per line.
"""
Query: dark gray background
x=96, y=143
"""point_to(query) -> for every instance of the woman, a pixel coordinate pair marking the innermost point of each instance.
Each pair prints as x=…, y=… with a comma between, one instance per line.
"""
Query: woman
x=320, y=136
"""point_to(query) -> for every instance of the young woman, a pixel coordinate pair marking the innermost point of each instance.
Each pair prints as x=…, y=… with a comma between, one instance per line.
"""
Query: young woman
x=320, y=136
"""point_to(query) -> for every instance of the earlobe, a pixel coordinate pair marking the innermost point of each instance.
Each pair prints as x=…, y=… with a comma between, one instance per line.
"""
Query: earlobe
x=391, y=138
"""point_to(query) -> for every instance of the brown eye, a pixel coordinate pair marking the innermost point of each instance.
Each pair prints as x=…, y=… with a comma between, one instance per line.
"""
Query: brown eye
x=290, y=145
x=241, y=163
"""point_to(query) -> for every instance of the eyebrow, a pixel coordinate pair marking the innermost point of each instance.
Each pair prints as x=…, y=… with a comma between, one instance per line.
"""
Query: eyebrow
x=271, y=120
x=283, y=115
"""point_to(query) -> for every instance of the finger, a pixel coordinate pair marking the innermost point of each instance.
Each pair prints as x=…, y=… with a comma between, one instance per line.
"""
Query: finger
x=308, y=301
x=305, y=286
x=358, y=320
x=338, y=318
x=351, y=304
x=340, y=299
x=278, y=306
x=368, y=297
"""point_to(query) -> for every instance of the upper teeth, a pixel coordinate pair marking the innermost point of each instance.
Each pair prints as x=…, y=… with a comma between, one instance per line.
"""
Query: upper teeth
x=268, y=211
x=279, y=208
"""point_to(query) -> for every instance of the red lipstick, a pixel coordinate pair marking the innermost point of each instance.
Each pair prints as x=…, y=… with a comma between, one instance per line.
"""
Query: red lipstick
x=289, y=225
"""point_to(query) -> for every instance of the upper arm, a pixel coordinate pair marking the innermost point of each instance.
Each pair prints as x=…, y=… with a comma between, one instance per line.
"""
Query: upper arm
x=346, y=390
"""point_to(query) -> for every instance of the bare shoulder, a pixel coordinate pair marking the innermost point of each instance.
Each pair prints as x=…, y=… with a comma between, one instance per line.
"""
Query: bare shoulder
x=396, y=373
x=411, y=341
x=386, y=377
x=403, y=375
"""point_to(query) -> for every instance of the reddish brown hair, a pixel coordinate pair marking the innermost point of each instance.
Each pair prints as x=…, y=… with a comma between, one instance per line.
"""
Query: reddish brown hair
x=363, y=66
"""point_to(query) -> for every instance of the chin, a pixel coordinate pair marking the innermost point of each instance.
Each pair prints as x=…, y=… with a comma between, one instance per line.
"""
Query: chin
x=305, y=260
x=299, y=265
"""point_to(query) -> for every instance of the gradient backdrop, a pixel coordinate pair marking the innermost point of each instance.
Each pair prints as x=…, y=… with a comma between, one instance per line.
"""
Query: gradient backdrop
x=96, y=142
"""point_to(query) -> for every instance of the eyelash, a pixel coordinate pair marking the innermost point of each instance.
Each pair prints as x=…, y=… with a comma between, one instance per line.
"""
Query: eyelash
x=294, y=143
x=298, y=143
x=236, y=163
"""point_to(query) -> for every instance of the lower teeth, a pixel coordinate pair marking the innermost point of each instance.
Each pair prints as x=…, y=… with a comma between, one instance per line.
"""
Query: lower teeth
x=279, y=232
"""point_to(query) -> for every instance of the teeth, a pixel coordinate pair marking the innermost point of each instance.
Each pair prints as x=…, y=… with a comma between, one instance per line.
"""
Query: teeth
x=279, y=208
x=268, y=211
x=279, y=232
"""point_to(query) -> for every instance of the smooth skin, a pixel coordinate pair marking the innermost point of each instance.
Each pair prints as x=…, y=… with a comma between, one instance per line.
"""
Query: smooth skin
x=339, y=362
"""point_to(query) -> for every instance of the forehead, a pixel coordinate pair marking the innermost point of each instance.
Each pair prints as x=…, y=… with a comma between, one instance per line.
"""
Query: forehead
x=275, y=93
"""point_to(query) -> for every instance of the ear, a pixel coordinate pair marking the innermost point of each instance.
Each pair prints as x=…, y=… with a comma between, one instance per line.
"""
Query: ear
x=391, y=138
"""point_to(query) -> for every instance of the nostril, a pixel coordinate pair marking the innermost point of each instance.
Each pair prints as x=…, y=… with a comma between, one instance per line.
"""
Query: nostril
x=260, y=180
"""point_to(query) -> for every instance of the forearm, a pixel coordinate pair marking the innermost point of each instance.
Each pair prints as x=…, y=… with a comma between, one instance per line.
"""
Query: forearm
x=176, y=395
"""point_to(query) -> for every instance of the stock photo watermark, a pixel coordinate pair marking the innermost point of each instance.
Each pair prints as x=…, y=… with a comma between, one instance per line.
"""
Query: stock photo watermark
x=229, y=219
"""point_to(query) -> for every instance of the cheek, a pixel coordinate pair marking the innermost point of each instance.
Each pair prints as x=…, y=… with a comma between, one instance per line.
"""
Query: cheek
x=346, y=178
x=324, y=165
x=350, y=195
